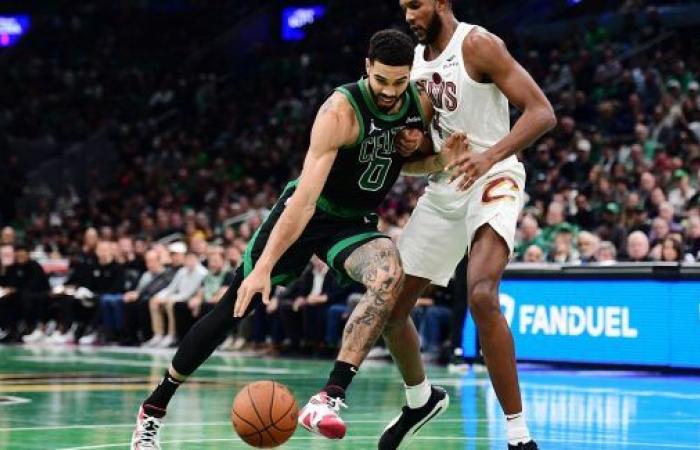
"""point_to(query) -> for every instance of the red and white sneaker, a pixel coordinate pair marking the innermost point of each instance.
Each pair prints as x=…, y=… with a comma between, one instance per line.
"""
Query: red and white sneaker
x=320, y=416
x=146, y=435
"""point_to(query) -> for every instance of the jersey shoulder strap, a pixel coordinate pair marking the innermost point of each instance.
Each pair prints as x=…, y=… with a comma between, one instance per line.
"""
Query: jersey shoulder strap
x=352, y=92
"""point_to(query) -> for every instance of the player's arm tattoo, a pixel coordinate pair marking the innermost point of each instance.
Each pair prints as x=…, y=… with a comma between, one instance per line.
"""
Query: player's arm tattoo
x=327, y=105
x=376, y=265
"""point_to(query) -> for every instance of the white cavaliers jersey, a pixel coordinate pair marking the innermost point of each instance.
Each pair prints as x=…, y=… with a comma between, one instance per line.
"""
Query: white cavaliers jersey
x=480, y=110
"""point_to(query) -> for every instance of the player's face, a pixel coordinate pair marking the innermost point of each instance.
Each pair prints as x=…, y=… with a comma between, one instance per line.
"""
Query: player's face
x=422, y=16
x=387, y=83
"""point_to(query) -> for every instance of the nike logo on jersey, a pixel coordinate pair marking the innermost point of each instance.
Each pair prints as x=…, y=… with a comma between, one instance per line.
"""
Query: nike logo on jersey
x=450, y=58
x=373, y=127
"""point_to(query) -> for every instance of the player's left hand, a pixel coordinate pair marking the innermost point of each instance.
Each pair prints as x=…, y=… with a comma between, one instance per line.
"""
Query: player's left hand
x=472, y=165
x=256, y=282
x=408, y=141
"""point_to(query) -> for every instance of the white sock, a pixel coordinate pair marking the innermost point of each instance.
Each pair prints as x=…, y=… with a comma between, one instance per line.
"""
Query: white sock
x=516, y=429
x=418, y=395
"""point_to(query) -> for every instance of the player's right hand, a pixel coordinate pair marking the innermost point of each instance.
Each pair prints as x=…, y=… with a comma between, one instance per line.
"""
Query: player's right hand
x=256, y=282
x=408, y=141
x=455, y=146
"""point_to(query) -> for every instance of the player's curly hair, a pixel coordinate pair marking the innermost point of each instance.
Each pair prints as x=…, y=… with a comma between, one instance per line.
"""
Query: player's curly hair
x=391, y=47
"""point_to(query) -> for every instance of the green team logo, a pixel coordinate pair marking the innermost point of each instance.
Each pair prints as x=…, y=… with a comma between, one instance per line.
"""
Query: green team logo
x=376, y=150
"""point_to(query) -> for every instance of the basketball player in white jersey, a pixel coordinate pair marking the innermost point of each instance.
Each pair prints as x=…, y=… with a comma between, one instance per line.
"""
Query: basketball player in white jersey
x=470, y=77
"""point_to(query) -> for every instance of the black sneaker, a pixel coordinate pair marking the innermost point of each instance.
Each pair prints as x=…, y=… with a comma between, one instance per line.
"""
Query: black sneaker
x=406, y=426
x=528, y=446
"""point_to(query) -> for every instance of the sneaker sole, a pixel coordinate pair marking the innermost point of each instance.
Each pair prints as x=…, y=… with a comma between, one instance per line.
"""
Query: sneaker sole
x=437, y=411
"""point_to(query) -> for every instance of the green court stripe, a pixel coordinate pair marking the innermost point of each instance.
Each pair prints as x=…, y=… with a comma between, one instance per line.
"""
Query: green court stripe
x=373, y=108
x=419, y=105
x=358, y=113
x=347, y=242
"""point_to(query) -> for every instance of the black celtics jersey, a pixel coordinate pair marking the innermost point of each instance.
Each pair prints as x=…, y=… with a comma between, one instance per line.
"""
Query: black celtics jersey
x=363, y=173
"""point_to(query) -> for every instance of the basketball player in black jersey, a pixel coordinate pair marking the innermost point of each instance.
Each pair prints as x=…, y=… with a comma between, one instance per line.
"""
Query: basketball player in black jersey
x=351, y=164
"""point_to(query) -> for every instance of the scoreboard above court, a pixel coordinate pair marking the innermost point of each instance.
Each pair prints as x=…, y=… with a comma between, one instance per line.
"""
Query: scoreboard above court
x=12, y=28
x=295, y=18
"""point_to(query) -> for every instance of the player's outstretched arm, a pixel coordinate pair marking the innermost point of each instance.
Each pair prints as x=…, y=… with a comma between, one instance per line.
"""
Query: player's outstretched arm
x=489, y=57
x=335, y=126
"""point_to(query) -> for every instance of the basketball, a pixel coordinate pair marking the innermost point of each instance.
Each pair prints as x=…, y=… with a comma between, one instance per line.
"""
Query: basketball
x=264, y=414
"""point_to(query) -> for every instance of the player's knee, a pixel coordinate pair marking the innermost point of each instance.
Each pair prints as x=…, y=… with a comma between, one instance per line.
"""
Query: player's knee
x=483, y=300
x=390, y=275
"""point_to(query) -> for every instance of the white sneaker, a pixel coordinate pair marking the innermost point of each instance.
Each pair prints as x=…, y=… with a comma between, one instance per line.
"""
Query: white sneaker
x=238, y=344
x=88, y=339
x=59, y=338
x=378, y=353
x=153, y=342
x=145, y=436
x=227, y=344
x=320, y=416
x=50, y=328
x=165, y=342
x=35, y=337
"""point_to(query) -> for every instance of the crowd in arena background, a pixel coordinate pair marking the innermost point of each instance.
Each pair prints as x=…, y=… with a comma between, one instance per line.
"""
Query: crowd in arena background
x=203, y=153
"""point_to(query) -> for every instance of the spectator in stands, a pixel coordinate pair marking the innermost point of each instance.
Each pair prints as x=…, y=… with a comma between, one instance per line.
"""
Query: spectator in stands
x=199, y=247
x=110, y=292
x=214, y=285
x=638, y=247
x=587, y=244
x=176, y=254
x=671, y=250
x=184, y=285
x=9, y=305
x=611, y=229
x=7, y=236
x=679, y=196
x=639, y=220
x=666, y=212
x=105, y=280
x=606, y=253
x=562, y=250
x=127, y=256
x=693, y=238
x=555, y=221
x=530, y=234
x=32, y=293
x=659, y=230
x=584, y=217
x=433, y=317
x=137, y=324
x=303, y=307
x=233, y=256
x=534, y=254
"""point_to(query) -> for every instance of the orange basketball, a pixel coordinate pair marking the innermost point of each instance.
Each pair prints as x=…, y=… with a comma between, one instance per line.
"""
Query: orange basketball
x=264, y=414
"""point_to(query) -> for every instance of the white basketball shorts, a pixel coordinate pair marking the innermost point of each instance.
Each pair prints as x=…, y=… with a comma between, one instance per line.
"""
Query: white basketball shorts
x=442, y=226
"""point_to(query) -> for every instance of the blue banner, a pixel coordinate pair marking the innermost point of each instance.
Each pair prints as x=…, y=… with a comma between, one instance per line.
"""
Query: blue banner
x=641, y=322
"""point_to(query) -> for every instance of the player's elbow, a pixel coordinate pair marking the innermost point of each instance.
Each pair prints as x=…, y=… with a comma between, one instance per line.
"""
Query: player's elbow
x=548, y=118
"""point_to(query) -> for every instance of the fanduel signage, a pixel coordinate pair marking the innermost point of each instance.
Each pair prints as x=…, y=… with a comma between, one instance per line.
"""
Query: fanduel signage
x=601, y=321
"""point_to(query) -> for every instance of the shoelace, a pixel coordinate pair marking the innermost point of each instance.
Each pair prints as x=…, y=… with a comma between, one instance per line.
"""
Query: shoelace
x=336, y=403
x=149, y=431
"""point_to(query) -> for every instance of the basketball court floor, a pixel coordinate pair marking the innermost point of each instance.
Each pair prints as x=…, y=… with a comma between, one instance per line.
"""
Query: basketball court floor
x=86, y=399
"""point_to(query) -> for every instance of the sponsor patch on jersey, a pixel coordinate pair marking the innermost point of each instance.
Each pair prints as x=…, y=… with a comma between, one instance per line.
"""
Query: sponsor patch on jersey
x=413, y=119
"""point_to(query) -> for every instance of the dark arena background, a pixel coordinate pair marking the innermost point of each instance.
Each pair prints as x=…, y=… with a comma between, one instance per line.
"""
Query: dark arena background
x=138, y=135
